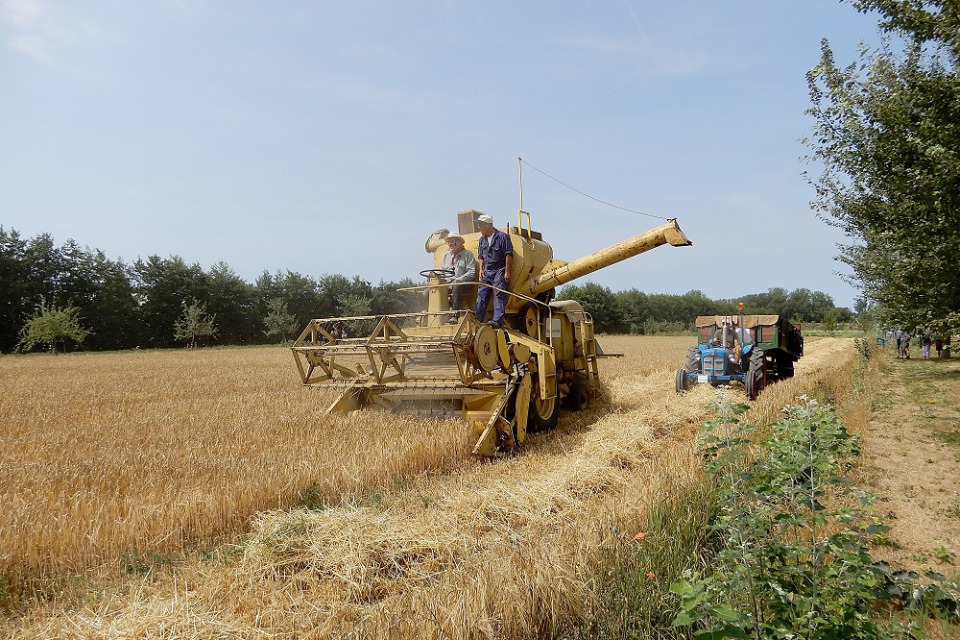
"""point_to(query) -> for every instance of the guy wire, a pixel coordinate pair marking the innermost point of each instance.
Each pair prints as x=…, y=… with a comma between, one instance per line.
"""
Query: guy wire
x=587, y=195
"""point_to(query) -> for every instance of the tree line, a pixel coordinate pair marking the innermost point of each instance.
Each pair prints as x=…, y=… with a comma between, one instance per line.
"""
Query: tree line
x=104, y=304
x=162, y=302
x=634, y=311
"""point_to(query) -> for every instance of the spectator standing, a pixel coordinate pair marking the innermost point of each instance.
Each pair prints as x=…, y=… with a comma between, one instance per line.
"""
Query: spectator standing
x=925, y=345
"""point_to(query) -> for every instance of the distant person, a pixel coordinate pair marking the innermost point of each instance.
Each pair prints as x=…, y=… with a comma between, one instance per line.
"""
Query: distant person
x=905, y=345
x=925, y=345
x=461, y=262
x=899, y=337
x=495, y=255
x=726, y=336
x=939, y=345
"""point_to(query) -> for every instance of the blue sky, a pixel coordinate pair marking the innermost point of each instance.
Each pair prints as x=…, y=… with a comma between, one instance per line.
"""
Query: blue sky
x=334, y=137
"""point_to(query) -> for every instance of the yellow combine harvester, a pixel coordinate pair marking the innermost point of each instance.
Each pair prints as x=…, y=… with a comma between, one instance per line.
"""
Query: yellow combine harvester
x=503, y=381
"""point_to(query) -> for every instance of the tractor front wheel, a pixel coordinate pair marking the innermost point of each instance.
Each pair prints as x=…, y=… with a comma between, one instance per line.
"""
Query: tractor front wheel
x=757, y=374
x=681, y=380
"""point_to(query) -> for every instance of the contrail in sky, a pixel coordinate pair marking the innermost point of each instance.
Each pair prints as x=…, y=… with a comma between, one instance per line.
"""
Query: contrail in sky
x=643, y=34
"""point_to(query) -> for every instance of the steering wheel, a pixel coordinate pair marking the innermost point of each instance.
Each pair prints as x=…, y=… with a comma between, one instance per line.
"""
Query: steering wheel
x=437, y=273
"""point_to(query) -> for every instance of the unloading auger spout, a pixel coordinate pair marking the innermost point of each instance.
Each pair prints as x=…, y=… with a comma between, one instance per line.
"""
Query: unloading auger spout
x=565, y=272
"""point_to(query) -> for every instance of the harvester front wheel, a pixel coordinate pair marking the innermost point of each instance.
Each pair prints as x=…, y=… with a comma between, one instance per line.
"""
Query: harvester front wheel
x=544, y=412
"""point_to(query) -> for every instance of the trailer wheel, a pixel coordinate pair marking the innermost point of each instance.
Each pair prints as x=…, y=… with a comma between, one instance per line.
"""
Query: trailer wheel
x=544, y=413
x=681, y=380
x=785, y=367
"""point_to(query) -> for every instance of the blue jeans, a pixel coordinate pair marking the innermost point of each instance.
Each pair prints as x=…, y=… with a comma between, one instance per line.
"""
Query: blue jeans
x=496, y=279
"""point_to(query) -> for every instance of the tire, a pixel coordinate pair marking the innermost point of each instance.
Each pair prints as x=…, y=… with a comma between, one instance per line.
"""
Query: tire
x=544, y=414
x=681, y=380
x=579, y=397
x=693, y=360
x=757, y=374
x=751, y=385
x=785, y=368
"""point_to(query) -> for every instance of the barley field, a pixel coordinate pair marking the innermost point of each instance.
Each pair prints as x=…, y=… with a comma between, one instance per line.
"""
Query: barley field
x=204, y=494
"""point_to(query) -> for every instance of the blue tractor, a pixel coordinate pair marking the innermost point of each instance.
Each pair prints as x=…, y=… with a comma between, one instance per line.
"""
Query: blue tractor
x=752, y=350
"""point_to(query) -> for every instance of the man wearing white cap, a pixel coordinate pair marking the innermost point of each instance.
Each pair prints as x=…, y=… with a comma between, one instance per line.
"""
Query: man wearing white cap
x=461, y=262
x=496, y=260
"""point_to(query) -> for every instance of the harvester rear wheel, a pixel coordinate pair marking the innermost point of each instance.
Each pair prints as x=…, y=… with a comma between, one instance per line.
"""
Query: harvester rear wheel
x=579, y=397
x=544, y=412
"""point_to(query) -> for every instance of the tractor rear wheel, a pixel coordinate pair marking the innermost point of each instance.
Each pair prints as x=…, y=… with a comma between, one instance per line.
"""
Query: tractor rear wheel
x=693, y=360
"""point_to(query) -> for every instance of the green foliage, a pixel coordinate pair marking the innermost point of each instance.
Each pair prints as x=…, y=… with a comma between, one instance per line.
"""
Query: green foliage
x=195, y=325
x=790, y=565
x=635, y=601
x=142, y=564
x=52, y=326
x=886, y=137
x=312, y=498
x=633, y=311
x=278, y=321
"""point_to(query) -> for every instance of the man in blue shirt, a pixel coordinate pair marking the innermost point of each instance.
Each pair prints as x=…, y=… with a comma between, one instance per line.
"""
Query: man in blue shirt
x=495, y=255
